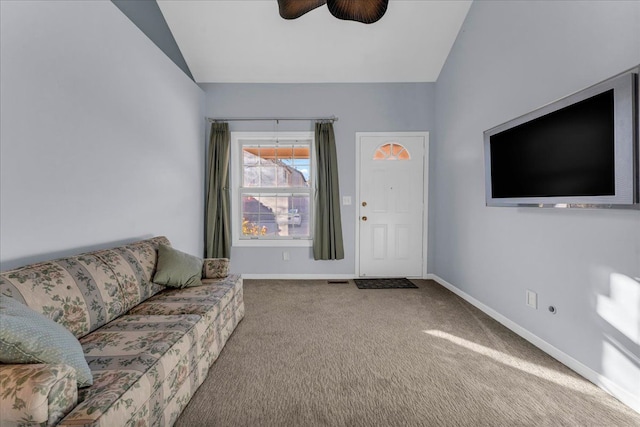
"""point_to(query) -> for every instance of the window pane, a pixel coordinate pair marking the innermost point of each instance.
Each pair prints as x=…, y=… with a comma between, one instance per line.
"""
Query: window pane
x=275, y=215
x=251, y=176
x=257, y=218
x=268, y=175
x=284, y=165
x=251, y=156
x=298, y=217
x=283, y=173
x=285, y=153
x=392, y=151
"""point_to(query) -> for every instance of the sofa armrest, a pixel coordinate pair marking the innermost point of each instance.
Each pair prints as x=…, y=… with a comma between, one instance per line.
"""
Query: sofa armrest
x=215, y=268
x=36, y=394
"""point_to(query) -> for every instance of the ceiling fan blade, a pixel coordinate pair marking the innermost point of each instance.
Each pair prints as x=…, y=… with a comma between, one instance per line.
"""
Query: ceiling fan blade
x=292, y=9
x=365, y=11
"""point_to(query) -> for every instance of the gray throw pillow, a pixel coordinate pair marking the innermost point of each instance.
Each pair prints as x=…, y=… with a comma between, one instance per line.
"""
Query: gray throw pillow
x=27, y=336
x=177, y=269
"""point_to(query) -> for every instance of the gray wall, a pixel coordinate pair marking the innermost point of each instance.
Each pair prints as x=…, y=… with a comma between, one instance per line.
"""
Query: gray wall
x=147, y=16
x=102, y=136
x=510, y=58
x=360, y=108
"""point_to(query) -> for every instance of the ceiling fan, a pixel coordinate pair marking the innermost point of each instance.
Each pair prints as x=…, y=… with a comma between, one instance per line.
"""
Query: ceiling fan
x=365, y=11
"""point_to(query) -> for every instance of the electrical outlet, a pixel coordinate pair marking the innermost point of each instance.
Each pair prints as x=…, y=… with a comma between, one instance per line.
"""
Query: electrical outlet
x=532, y=299
x=285, y=255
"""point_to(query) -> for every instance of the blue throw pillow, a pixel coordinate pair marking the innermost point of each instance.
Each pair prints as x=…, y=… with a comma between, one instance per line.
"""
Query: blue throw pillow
x=29, y=337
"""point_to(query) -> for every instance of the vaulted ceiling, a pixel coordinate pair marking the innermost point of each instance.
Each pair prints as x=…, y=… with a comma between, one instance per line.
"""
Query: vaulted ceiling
x=246, y=41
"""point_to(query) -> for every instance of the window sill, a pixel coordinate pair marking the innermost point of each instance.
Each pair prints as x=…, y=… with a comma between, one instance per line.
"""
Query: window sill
x=284, y=243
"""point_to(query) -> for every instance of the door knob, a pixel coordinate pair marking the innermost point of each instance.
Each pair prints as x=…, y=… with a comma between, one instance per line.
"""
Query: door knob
x=364, y=218
x=364, y=203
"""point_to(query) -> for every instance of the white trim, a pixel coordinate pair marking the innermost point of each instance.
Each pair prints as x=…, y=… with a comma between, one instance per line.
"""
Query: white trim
x=604, y=383
x=273, y=243
x=306, y=276
x=357, y=207
x=425, y=207
x=425, y=195
x=295, y=276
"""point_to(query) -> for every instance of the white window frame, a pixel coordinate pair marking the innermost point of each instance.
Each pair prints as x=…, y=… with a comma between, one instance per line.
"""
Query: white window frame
x=238, y=139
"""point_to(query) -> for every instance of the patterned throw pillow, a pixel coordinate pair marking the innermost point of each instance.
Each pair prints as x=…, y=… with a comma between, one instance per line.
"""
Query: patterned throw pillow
x=177, y=269
x=216, y=268
x=29, y=337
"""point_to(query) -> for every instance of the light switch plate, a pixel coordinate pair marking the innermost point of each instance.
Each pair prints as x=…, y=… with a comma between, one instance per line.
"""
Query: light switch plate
x=346, y=200
x=532, y=299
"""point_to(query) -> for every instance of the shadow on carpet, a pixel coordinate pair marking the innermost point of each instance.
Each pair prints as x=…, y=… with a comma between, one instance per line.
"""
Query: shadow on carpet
x=388, y=283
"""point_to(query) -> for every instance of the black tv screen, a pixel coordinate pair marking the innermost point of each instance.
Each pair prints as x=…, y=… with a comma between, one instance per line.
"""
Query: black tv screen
x=579, y=151
x=569, y=152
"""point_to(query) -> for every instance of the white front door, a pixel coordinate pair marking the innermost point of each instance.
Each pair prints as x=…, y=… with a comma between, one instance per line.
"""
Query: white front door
x=391, y=204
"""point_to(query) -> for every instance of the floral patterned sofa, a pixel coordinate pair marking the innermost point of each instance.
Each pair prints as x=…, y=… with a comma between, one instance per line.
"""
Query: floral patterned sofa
x=148, y=347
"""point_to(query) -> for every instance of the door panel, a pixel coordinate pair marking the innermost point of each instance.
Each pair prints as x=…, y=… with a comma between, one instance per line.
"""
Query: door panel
x=391, y=205
x=403, y=194
x=379, y=197
x=403, y=241
x=379, y=239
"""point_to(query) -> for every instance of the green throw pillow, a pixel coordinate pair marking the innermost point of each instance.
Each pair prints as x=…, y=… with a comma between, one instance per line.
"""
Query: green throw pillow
x=177, y=269
x=29, y=337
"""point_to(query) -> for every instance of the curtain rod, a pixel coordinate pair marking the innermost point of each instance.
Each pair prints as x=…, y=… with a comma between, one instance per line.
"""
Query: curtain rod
x=270, y=119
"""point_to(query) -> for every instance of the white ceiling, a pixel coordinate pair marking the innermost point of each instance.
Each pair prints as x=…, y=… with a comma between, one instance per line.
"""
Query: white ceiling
x=246, y=41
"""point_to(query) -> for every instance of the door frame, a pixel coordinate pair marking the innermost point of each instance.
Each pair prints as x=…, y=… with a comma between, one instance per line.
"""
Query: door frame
x=425, y=194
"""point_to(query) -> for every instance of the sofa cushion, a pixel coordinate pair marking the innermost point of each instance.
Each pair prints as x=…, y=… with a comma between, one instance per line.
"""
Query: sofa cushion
x=177, y=269
x=132, y=359
x=28, y=337
x=86, y=291
x=147, y=366
x=40, y=393
x=203, y=300
x=133, y=266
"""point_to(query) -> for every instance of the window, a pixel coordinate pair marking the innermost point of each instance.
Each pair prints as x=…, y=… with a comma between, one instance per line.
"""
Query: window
x=272, y=196
x=393, y=151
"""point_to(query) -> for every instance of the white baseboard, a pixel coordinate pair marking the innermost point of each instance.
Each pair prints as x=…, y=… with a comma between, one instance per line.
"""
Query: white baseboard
x=310, y=276
x=604, y=383
x=297, y=276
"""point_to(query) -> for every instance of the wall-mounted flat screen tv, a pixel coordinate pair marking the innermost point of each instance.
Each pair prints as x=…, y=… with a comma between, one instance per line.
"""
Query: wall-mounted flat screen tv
x=580, y=151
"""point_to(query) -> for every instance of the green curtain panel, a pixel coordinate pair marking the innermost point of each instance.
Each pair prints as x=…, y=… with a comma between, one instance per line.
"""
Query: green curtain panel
x=327, y=236
x=217, y=215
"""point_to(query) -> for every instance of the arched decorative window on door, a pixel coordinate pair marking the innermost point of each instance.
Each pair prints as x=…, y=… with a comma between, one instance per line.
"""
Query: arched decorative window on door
x=391, y=151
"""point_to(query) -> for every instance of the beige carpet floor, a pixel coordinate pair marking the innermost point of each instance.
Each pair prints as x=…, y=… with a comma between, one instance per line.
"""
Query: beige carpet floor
x=309, y=353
